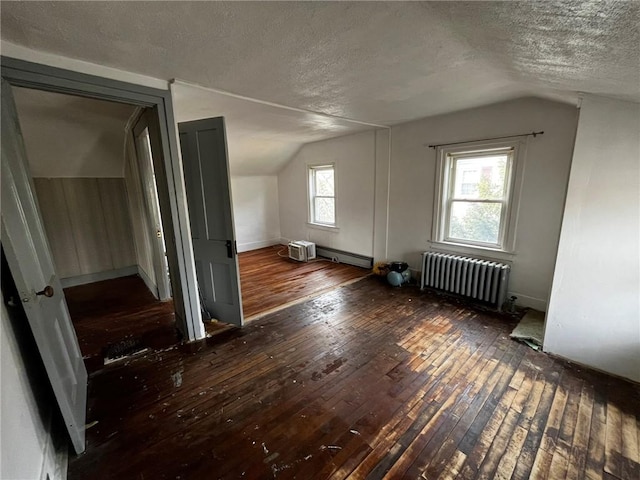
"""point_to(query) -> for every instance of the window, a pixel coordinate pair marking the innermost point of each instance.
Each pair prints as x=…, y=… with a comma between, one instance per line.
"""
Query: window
x=322, y=195
x=475, y=191
x=470, y=180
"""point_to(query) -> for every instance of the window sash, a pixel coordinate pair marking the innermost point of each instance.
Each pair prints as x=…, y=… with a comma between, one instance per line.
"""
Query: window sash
x=313, y=217
x=451, y=162
x=476, y=200
x=315, y=205
x=447, y=237
x=315, y=179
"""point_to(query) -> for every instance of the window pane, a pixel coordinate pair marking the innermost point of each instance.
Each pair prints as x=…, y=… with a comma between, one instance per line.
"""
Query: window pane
x=324, y=183
x=480, y=177
x=325, y=210
x=477, y=222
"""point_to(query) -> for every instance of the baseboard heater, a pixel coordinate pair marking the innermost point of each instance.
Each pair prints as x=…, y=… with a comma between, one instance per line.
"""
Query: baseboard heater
x=345, y=257
x=475, y=278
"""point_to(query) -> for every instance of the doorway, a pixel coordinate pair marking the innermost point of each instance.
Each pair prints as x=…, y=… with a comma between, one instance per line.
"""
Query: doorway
x=20, y=73
x=262, y=139
x=27, y=248
x=91, y=163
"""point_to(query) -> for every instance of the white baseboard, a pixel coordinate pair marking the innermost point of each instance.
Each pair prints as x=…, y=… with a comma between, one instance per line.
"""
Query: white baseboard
x=246, y=247
x=527, y=301
x=99, y=276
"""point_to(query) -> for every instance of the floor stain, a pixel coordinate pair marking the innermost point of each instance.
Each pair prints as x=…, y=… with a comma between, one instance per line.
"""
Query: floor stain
x=336, y=364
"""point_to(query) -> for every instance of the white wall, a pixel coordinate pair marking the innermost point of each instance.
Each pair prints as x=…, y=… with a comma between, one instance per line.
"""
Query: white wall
x=141, y=233
x=13, y=50
x=381, y=193
x=67, y=136
x=255, y=211
x=594, y=312
x=355, y=161
x=28, y=450
x=548, y=157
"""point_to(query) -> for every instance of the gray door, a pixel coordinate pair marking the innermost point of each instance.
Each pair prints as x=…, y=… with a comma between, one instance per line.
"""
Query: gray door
x=29, y=257
x=206, y=167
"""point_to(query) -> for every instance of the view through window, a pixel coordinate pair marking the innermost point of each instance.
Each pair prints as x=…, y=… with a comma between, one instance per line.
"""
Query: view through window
x=476, y=197
x=322, y=199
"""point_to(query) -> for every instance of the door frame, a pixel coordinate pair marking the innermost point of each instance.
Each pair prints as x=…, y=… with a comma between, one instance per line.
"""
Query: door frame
x=21, y=73
x=151, y=203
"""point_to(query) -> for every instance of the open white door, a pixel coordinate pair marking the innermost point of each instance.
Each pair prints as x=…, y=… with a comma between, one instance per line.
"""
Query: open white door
x=29, y=257
x=150, y=195
x=206, y=167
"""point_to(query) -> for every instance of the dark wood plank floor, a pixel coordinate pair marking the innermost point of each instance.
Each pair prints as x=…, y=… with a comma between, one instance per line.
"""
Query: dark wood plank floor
x=107, y=312
x=269, y=281
x=366, y=381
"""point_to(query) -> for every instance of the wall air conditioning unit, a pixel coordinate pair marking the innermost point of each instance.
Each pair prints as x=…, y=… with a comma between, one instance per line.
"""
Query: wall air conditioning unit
x=302, y=250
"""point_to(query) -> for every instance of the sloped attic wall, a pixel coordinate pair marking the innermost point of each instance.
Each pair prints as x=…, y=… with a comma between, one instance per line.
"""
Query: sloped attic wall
x=75, y=148
x=594, y=311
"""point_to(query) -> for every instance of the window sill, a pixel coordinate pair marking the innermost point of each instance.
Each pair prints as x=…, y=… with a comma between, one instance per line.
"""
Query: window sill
x=460, y=248
x=326, y=228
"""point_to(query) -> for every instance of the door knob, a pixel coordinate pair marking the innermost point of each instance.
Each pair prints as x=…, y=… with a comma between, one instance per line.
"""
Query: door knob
x=47, y=292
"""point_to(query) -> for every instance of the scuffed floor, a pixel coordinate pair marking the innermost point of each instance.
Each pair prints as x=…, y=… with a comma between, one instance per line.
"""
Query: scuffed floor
x=367, y=381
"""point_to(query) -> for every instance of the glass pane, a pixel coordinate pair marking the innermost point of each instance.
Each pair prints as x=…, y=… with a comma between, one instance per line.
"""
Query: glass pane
x=478, y=222
x=480, y=177
x=324, y=183
x=325, y=211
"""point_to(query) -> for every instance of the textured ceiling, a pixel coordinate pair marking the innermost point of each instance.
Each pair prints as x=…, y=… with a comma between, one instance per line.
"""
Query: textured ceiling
x=261, y=138
x=382, y=62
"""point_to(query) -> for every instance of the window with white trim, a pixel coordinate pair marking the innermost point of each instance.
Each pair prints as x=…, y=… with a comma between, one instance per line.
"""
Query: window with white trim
x=476, y=191
x=322, y=195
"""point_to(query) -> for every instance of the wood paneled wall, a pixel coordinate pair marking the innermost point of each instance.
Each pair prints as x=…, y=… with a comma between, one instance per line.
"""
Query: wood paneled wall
x=87, y=223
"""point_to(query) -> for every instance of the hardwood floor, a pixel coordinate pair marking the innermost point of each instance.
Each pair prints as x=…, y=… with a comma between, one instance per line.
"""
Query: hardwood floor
x=366, y=381
x=107, y=312
x=269, y=281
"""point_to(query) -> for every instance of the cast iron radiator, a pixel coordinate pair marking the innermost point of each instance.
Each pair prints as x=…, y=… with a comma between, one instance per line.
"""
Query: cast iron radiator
x=482, y=280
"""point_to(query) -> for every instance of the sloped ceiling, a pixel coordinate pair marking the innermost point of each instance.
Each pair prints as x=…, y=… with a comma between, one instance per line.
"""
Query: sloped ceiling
x=67, y=136
x=383, y=62
x=261, y=138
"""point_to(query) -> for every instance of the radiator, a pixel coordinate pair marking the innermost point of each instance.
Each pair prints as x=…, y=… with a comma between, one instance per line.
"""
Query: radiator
x=471, y=277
